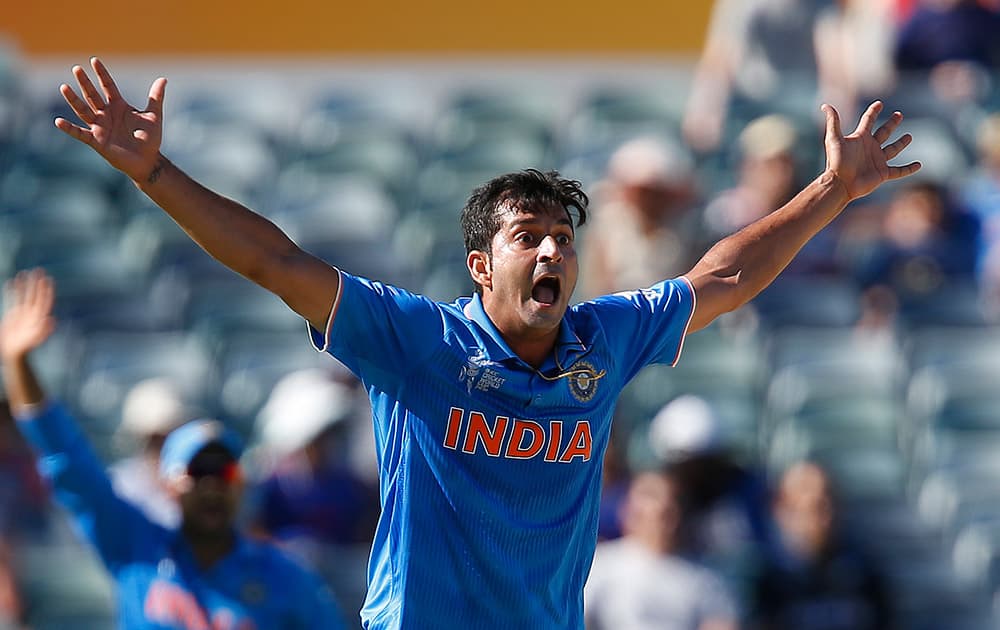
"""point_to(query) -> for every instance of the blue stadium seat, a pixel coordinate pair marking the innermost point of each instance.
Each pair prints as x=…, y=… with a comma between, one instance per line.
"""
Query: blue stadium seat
x=813, y=366
x=308, y=205
x=927, y=594
x=65, y=586
x=809, y=301
x=218, y=309
x=114, y=361
x=953, y=497
x=64, y=206
x=957, y=304
x=613, y=115
x=251, y=363
x=96, y=286
x=54, y=154
x=976, y=555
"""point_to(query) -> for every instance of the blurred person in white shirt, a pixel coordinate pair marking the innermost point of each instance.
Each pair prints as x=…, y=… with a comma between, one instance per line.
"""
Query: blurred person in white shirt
x=152, y=408
x=644, y=581
x=643, y=221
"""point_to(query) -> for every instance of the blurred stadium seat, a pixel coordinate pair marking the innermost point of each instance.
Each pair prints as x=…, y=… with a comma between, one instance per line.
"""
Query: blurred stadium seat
x=251, y=363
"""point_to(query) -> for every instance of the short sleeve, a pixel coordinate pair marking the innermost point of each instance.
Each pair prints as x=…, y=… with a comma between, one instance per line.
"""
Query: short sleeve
x=648, y=325
x=379, y=331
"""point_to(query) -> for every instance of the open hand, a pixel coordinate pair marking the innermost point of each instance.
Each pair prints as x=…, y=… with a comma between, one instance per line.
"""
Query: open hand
x=28, y=320
x=859, y=161
x=127, y=138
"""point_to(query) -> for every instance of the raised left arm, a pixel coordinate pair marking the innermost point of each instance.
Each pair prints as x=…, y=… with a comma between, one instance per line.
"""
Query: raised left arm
x=740, y=266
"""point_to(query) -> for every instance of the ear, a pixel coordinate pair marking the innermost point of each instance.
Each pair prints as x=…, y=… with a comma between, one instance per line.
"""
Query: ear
x=480, y=268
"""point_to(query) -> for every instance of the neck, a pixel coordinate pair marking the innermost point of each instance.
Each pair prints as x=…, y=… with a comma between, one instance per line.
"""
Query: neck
x=656, y=541
x=209, y=549
x=531, y=351
x=531, y=345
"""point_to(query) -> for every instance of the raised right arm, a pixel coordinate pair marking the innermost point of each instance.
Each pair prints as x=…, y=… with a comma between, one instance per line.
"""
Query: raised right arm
x=65, y=457
x=240, y=239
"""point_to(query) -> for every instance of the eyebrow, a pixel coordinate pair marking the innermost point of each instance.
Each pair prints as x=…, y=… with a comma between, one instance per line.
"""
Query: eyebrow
x=534, y=221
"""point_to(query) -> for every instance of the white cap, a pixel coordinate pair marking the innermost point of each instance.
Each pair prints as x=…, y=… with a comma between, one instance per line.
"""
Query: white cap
x=649, y=160
x=301, y=406
x=685, y=426
x=153, y=406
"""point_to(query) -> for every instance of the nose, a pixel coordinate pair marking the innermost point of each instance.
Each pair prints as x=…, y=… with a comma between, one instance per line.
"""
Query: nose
x=548, y=250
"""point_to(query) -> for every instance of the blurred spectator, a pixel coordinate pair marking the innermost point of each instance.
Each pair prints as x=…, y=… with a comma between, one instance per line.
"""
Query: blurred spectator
x=818, y=581
x=768, y=178
x=981, y=195
x=639, y=232
x=615, y=480
x=23, y=512
x=644, y=580
x=727, y=504
x=926, y=243
x=12, y=608
x=757, y=51
x=24, y=498
x=151, y=409
x=204, y=574
x=312, y=501
x=854, y=41
x=312, y=491
x=953, y=40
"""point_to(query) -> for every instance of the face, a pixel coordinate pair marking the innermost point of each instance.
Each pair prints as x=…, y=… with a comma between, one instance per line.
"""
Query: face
x=650, y=508
x=772, y=176
x=531, y=273
x=805, y=509
x=209, y=494
x=656, y=201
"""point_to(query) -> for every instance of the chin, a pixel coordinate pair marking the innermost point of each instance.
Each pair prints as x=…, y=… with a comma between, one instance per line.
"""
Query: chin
x=545, y=316
x=215, y=526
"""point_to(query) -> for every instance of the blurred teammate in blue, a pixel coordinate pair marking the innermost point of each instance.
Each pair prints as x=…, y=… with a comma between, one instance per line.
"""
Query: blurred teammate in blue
x=491, y=413
x=202, y=576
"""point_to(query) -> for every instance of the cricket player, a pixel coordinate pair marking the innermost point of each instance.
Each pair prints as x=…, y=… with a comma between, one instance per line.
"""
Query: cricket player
x=491, y=413
x=202, y=576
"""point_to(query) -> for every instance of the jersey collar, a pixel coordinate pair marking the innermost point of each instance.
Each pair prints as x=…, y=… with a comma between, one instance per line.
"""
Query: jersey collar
x=569, y=346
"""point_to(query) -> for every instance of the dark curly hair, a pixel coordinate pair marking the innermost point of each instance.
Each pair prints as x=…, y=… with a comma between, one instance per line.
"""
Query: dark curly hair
x=525, y=189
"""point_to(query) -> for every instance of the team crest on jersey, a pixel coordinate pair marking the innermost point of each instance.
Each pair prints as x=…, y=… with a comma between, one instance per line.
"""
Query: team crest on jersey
x=583, y=380
x=477, y=373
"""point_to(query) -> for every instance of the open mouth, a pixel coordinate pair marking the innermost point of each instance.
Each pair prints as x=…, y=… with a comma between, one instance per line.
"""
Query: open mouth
x=546, y=291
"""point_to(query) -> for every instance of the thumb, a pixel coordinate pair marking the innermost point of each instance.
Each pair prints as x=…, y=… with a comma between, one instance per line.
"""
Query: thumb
x=832, y=122
x=156, y=94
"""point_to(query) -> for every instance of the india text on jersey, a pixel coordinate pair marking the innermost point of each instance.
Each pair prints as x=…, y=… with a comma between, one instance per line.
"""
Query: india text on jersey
x=516, y=438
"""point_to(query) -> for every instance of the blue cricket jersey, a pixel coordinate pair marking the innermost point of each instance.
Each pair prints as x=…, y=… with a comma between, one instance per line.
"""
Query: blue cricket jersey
x=490, y=469
x=159, y=584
